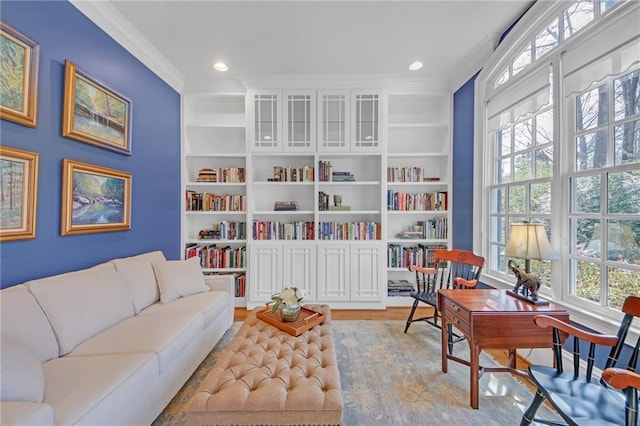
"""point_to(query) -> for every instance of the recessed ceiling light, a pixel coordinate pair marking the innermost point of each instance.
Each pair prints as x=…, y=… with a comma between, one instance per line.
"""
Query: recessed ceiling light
x=220, y=66
x=415, y=66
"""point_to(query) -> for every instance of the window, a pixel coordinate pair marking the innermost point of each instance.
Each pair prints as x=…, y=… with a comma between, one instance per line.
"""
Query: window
x=561, y=147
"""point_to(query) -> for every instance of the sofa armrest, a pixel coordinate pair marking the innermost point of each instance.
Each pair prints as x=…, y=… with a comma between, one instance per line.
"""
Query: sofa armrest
x=25, y=413
x=221, y=283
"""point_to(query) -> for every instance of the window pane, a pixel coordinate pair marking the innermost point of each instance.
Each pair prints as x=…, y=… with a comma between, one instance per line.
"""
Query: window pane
x=503, y=78
x=591, y=108
x=577, y=17
x=588, y=281
x=627, y=95
x=591, y=150
x=588, y=238
x=607, y=4
x=522, y=164
x=503, y=170
x=517, y=202
x=542, y=270
x=541, y=197
x=627, y=143
x=622, y=283
x=544, y=162
x=587, y=194
x=522, y=60
x=623, y=241
x=497, y=258
x=497, y=200
x=498, y=229
x=503, y=142
x=544, y=128
x=547, y=39
x=522, y=135
x=624, y=192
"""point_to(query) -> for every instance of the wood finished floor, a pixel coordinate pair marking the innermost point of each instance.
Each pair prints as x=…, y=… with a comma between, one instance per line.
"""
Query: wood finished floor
x=401, y=313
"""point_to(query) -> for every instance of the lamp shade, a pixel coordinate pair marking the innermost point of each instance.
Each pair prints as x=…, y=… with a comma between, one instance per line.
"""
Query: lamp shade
x=529, y=241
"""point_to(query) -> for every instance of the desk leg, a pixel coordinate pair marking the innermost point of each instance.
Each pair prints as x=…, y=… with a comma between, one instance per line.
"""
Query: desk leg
x=474, y=373
x=445, y=343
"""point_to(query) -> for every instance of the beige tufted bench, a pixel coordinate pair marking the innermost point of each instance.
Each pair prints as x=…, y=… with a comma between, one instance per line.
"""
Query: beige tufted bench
x=269, y=377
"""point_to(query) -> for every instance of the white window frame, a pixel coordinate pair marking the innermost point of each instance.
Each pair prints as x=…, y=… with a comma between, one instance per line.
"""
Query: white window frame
x=525, y=31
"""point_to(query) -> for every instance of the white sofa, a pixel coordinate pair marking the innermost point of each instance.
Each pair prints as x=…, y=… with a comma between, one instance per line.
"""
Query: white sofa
x=110, y=344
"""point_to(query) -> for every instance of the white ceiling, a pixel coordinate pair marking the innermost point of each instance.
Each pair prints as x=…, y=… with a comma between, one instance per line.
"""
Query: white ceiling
x=320, y=38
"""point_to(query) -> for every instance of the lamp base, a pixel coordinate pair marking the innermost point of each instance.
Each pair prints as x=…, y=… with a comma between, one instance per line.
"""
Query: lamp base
x=528, y=299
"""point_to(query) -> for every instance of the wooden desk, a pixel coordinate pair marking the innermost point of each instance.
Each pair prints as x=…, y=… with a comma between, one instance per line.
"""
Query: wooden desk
x=491, y=319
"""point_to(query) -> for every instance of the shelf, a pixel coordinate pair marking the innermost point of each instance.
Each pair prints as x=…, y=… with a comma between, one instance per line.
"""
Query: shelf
x=215, y=126
x=216, y=184
x=347, y=212
x=211, y=212
x=432, y=183
x=415, y=241
x=282, y=212
x=212, y=241
x=416, y=212
x=262, y=183
x=205, y=270
x=417, y=154
x=351, y=183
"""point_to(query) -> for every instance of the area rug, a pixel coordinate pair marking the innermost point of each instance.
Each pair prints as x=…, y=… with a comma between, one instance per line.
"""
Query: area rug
x=392, y=378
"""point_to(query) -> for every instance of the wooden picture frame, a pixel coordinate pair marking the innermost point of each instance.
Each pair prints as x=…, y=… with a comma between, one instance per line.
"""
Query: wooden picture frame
x=94, y=199
x=19, y=56
x=94, y=113
x=18, y=193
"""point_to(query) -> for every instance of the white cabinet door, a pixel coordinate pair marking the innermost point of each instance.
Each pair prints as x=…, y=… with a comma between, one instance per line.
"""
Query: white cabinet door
x=333, y=272
x=333, y=120
x=299, y=268
x=300, y=121
x=366, y=283
x=265, y=271
x=366, y=120
x=264, y=120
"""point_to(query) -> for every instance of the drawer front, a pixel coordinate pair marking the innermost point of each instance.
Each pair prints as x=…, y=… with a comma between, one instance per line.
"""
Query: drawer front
x=456, y=315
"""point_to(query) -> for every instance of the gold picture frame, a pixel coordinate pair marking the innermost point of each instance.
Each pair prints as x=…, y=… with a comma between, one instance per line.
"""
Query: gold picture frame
x=18, y=190
x=94, y=199
x=94, y=113
x=19, y=56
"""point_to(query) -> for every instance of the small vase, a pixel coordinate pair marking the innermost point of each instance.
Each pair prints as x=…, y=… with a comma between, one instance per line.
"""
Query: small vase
x=289, y=313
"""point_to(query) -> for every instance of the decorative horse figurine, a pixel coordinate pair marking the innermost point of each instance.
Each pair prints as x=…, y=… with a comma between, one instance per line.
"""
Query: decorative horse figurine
x=529, y=282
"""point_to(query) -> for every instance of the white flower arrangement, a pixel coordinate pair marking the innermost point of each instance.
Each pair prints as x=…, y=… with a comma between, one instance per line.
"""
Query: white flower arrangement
x=288, y=296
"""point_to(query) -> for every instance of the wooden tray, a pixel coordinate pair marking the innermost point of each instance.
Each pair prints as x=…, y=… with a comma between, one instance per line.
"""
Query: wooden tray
x=307, y=320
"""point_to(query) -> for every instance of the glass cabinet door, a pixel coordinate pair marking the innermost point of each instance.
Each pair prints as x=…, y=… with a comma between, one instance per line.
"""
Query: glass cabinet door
x=300, y=121
x=334, y=121
x=366, y=128
x=266, y=121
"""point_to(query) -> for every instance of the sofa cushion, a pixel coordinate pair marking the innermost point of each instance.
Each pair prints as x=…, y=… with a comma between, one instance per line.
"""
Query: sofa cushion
x=21, y=372
x=79, y=386
x=210, y=304
x=140, y=277
x=26, y=413
x=81, y=304
x=23, y=319
x=179, y=278
x=166, y=335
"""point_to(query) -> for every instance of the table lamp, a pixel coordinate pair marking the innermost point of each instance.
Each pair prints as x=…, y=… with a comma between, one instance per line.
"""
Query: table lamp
x=528, y=241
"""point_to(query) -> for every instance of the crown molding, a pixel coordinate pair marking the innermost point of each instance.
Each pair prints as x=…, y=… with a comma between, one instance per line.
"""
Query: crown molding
x=107, y=18
x=475, y=62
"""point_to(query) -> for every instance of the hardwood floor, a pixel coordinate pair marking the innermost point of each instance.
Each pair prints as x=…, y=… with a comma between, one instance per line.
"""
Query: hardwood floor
x=401, y=314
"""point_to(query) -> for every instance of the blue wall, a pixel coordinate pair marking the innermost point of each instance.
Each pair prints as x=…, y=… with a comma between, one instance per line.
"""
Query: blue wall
x=462, y=173
x=63, y=33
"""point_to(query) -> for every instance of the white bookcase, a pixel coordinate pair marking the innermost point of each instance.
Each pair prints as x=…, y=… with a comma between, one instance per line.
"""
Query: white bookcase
x=281, y=138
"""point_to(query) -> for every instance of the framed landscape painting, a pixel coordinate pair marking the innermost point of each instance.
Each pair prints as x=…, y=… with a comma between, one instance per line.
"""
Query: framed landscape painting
x=94, y=199
x=94, y=113
x=19, y=58
x=18, y=194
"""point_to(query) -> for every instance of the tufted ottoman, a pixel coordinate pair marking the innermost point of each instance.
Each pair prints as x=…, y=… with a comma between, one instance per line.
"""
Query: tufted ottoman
x=269, y=377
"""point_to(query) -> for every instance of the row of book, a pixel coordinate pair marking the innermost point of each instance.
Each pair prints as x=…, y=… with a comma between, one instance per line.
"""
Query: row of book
x=222, y=174
x=417, y=201
x=240, y=280
x=267, y=230
x=349, y=231
x=408, y=174
x=292, y=174
x=399, y=288
x=197, y=201
x=214, y=257
x=432, y=229
x=225, y=230
x=399, y=256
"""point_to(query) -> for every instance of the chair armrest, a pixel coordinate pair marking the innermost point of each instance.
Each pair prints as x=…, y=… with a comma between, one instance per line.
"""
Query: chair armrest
x=620, y=378
x=545, y=321
x=423, y=270
x=461, y=282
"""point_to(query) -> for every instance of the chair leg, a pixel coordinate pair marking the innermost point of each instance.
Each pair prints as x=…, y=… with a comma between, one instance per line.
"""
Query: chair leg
x=410, y=319
x=530, y=414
